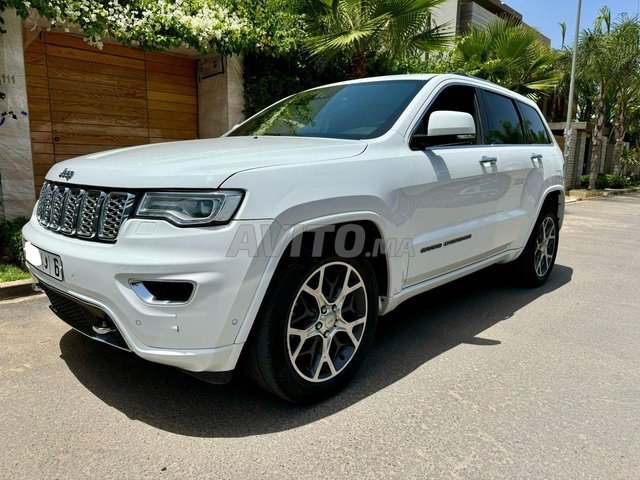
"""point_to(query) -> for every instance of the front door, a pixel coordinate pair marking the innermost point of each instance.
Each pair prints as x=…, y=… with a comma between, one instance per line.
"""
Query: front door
x=454, y=197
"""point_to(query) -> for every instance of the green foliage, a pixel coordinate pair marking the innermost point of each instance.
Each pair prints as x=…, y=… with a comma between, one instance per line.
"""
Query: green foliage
x=365, y=29
x=584, y=181
x=268, y=79
x=11, y=240
x=224, y=26
x=617, y=181
x=510, y=55
x=630, y=159
x=608, y=57
x=602, y=182
x=278, y=28
x=607, y=180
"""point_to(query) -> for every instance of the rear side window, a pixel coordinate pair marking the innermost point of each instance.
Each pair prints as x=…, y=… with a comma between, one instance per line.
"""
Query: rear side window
x=533, y=125
x=503, y=121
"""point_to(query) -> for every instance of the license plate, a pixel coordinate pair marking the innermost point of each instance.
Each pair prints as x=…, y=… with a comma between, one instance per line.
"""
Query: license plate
x=46, y=262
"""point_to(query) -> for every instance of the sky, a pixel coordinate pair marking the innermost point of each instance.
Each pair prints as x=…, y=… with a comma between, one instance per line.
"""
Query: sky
x=545, y=15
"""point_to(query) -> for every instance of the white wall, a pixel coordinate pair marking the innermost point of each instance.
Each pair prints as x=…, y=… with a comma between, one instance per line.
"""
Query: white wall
x=447, y=13
x=17, y=194
x=221, y=99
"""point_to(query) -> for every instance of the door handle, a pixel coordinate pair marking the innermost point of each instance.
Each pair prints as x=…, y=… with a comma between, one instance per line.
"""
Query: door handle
x=536, y=156
x=491, y=160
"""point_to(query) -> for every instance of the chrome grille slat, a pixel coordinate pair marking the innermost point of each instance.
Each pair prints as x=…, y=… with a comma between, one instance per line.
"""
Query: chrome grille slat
x=57, y=203
x=117, y=205
x=70, y=216
x=90, y=213
x=45, y=202
x=86, y=214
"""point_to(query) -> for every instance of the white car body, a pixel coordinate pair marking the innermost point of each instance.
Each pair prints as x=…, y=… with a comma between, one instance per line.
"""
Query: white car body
x=427, y=198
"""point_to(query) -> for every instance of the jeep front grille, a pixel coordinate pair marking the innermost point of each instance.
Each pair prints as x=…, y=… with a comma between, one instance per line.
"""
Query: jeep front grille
x=87, y=214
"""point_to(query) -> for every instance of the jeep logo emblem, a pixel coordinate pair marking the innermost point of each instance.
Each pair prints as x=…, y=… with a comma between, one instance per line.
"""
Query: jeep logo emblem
x=66, y=174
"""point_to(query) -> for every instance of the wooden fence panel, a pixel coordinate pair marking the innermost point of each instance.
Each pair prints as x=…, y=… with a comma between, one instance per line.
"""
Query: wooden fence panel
x=83, y=100
x=171, y=93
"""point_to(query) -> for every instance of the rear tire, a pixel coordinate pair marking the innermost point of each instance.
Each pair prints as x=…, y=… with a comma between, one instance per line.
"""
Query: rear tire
x=314, y=328
x=534, y=265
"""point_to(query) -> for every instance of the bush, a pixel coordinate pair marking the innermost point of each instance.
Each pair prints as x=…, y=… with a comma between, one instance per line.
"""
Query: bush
x=268, y=79
x=601, y=183
x=616, y=181
x=634, y=180
x=584, y=181
x=11, y=240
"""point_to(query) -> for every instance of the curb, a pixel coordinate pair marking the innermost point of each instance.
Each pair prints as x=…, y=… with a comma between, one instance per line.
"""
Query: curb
x=593, y=194
x=18, y=288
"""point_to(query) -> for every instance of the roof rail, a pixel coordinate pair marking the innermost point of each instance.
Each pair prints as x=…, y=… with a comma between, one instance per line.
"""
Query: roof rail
x=469, y=76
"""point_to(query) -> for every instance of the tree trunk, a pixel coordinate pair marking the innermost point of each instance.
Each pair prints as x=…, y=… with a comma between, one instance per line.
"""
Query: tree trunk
x=620, y=131
x=587, y=112
x=596, y=152
x=359, y=66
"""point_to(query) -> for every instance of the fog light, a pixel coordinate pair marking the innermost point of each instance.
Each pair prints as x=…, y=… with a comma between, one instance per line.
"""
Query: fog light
x=162, y=292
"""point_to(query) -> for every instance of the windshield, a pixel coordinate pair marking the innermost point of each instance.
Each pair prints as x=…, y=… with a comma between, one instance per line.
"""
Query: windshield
x=355, y=111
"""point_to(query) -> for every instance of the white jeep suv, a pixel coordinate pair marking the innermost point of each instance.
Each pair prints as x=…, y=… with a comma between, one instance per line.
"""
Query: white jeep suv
x=277, y=246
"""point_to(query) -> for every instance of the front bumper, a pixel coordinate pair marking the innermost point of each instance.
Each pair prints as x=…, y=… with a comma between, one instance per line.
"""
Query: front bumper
x=196, y=336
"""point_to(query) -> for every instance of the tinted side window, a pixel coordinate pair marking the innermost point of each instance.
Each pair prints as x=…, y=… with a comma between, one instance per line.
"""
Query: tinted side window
x=533, y=125
x=503, y=121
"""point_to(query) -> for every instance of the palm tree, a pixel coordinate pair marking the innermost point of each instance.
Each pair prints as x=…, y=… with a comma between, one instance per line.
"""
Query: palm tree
x=363, y=29
x=626, y=85
x=605, y=56
x=509, y=54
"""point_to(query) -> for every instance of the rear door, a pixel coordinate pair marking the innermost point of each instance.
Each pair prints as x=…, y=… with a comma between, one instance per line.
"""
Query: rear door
x=505, y=136
x=541, y=156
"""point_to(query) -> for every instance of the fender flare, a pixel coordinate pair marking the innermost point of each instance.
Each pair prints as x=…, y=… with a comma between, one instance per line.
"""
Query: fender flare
x=395, y=271
x=549, y=190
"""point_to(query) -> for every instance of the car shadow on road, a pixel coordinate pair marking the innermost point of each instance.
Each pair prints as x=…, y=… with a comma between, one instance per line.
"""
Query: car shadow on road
x=415, y=333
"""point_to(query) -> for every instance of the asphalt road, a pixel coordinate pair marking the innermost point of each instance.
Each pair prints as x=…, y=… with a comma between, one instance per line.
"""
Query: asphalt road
x=477, y=379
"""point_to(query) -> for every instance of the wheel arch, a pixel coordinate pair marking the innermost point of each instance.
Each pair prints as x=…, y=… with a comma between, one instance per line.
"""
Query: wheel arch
x=553, y=197
x=388, y=272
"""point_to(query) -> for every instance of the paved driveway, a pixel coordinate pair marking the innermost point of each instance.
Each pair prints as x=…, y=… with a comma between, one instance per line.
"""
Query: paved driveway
x=474, y=380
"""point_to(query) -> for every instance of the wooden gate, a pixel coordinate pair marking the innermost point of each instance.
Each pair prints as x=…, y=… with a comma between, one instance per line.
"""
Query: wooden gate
x=83, y=100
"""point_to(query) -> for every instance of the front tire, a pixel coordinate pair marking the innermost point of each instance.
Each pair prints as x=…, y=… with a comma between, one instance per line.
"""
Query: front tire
x=315, y=327
x=535, y=263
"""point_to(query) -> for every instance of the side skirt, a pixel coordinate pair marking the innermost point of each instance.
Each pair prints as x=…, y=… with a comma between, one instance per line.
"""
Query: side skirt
x=388, y=304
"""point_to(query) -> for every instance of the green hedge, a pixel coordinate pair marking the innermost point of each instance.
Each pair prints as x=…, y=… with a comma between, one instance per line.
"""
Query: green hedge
x=11, y=240
x=607, y=180
x=268, y=79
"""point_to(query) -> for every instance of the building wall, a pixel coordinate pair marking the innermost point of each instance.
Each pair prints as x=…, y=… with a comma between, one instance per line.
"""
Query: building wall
x=473, y=15
x=221, y=99
x=461, y=15
x=16, y=174
x=448, y=13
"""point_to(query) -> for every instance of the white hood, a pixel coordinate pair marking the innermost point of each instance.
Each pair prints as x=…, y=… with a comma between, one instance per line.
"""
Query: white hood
x=197, y=163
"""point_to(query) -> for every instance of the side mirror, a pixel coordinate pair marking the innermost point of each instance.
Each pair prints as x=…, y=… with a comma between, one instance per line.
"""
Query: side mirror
x=446, y=128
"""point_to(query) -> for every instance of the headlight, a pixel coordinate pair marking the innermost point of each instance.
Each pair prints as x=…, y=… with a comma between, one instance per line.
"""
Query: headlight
x=186, y=209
